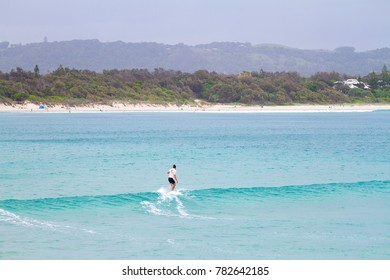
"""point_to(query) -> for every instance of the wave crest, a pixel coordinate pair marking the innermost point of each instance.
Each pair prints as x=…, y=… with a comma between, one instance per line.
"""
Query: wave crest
x=163, y=199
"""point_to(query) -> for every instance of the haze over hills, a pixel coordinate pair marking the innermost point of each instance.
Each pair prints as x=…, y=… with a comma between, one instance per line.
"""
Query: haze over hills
x=221, y=57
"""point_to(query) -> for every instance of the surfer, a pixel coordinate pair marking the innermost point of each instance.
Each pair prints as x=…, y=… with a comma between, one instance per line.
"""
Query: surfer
x=172, y=179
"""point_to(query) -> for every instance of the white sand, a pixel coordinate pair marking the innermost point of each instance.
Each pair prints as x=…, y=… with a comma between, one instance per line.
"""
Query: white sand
x=197, y=107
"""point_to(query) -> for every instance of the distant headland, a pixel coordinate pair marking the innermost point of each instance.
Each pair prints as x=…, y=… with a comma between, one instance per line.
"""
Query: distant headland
x=220, y=57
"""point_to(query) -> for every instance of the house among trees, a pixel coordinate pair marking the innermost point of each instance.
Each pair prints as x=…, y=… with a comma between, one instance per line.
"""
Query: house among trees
x=352, y=83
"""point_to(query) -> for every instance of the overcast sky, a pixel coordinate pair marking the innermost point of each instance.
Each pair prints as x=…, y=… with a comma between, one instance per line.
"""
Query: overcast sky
x=307, y=24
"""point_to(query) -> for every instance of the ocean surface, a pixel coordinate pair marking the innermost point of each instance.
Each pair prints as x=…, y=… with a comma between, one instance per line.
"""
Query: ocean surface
x=251, y=185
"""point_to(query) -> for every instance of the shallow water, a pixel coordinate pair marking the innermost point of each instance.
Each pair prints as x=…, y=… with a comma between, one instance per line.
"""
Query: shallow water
x=252, y=186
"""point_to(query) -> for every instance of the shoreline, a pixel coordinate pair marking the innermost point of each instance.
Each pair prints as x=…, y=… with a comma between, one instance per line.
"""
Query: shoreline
x=143, y=107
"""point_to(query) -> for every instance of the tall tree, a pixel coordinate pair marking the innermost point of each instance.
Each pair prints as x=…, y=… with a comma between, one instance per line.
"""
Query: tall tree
x=36, y=71
x=385, y=76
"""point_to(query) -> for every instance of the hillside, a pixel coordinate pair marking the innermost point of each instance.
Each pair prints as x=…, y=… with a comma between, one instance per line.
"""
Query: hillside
x=228, y=58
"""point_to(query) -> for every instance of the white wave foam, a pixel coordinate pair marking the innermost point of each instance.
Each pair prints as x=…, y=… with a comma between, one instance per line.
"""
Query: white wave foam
x=7, y=216
x=180, y=207
x=151, y=208
x=10, y=217
x=162, y=206
x=171, y=241
x=166, y=201
x=162, y=190
x=168, y=195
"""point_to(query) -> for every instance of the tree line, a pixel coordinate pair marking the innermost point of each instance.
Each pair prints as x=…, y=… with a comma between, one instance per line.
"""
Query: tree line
x=77, y=87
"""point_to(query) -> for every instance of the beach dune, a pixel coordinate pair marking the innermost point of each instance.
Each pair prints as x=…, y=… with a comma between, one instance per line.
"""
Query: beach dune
x=197, y=107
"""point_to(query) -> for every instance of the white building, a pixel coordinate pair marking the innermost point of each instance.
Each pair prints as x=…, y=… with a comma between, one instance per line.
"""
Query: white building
x=353, y=83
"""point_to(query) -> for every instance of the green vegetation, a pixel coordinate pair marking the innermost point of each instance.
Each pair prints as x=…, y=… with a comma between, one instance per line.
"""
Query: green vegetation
x=77, y=87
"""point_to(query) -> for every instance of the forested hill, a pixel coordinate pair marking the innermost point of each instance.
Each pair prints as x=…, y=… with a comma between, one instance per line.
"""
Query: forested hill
x=228, y=58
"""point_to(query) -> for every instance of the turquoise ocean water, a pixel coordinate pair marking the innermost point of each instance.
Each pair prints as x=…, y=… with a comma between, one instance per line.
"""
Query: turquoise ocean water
x=252, y=185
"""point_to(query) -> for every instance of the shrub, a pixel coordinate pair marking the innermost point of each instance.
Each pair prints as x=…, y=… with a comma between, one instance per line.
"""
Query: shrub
x=20, y=96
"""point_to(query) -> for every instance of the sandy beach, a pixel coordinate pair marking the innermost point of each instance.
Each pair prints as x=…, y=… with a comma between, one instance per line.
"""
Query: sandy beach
x=142, y=107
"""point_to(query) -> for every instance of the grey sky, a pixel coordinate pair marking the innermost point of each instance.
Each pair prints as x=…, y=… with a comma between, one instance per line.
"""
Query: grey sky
x=307, y=24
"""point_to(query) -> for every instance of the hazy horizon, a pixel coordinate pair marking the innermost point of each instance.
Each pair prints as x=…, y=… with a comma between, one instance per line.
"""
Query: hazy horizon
x=302, y=24
x=192, y=45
